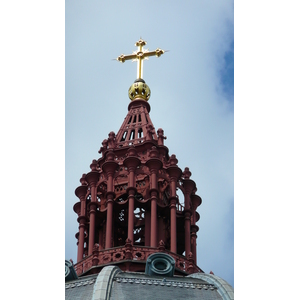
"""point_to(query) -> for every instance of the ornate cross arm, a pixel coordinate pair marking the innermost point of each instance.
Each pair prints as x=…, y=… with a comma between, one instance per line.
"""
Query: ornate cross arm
x=123, y=57
x=140, y=55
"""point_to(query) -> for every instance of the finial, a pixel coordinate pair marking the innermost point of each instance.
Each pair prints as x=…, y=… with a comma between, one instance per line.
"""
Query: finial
x=111, y=140
x=139, y=89
x=104, y=146
x=82, y=179
x=161, y=137
x=93, y=165
x=173, y=160
x=186, y=173
x=140, y=55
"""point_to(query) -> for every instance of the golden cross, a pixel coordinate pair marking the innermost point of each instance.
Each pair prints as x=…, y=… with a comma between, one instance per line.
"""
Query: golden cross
x=140, y=55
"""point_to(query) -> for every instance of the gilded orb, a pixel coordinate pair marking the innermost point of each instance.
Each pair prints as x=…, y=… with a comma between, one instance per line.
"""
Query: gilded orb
x=139, y=90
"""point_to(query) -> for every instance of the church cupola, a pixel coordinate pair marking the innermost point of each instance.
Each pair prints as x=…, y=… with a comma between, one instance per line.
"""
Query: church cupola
x=129, y=205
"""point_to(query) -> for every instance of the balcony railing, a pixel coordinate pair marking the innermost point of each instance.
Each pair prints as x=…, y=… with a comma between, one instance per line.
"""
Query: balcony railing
x=134, y=253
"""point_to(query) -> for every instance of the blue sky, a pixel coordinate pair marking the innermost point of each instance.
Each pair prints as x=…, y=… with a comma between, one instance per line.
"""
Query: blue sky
x=191, y=99
x=56, y=75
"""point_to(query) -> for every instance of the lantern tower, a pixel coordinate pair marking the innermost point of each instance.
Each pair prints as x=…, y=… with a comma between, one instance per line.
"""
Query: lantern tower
x=128, y=204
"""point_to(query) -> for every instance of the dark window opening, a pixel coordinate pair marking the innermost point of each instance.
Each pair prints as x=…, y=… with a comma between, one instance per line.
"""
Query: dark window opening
x=129, y=119
x=124, y=136
x=140, y=119
x=122, y=215
x=140, y=133
x=134, y=119
x=122, y=198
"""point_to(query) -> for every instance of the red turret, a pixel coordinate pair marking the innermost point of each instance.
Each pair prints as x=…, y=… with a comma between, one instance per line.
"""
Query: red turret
x=129, y=207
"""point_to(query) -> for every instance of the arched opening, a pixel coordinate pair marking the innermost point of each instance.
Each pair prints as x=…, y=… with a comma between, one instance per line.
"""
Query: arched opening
x=124, y=136
x=132, y=134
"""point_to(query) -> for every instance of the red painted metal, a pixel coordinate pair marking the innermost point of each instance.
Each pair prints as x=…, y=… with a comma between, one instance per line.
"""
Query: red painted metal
x=131, y=258
x=129, y=207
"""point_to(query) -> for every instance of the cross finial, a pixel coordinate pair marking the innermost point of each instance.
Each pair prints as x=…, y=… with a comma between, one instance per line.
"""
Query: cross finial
x=140, y=55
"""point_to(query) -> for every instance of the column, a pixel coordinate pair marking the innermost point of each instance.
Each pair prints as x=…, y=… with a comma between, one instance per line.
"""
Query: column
x=154, y=164
x=153, y=230
x=131, y=162
x=174, y=172
x=193, y=243
x=80, y=192
x=196, y=201
x=188, y=186
x=187, y=233
x=131, y=193
x=109, y=168
x=109, y=220
x=92, y=179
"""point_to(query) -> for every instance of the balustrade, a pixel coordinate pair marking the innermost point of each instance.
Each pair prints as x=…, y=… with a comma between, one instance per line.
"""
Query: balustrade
x=139, y=253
